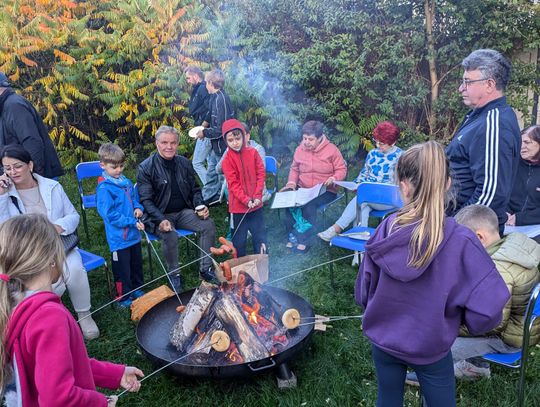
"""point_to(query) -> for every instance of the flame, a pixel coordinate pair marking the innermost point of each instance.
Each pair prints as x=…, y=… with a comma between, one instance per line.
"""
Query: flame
x=233, y=355
x=252, y=312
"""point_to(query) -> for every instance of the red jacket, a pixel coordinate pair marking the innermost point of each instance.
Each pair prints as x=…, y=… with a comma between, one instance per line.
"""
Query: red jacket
x=310, y=168
x=245, y=175
x=53, y=366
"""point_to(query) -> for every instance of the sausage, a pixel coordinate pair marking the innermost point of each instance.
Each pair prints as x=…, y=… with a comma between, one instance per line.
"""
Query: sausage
x=217, y=252
x=227, y=272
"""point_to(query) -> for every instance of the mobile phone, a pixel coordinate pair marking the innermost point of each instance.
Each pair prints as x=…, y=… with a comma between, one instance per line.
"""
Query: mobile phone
x=5, y=183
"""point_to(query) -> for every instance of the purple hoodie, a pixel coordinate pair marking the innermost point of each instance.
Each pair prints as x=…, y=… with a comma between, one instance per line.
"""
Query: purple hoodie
x=415, y=314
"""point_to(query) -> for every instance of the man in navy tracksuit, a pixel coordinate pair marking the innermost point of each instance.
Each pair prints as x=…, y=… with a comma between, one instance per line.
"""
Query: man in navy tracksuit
x=484, y=153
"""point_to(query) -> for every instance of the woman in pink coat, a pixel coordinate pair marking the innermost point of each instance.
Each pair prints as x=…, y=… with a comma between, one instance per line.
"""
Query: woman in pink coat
x=315, y=161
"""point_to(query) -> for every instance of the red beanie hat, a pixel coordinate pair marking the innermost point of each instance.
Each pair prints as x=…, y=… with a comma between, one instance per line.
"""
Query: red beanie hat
x=232, y=124
x=386, y=132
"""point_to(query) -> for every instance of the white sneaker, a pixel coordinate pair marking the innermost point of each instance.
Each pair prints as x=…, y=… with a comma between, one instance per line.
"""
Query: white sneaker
x=328, y=234
x=466, y=370
x=88, y=326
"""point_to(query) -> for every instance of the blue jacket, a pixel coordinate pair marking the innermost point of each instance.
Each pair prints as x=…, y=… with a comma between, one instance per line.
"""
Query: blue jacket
x=484, y=156
x=415, y=314
x=115, y=204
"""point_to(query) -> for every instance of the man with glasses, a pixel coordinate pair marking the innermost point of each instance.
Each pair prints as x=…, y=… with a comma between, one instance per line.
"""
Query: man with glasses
x=21, y=124
x=484, y=152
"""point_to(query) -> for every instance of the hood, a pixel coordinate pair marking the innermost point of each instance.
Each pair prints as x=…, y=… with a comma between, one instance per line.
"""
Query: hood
x=23, y=312
x=390, y=251
x=230, y=125
x=121, y=182
x=516, y=248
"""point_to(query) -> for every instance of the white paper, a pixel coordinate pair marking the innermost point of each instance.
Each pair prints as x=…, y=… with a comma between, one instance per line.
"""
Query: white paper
x=300, y=197
x=350, y=185
x=529, y=230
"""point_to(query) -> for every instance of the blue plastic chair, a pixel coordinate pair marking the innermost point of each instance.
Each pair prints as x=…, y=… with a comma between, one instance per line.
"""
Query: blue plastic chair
x=324, y=207
x=89, y=169
x=519, y=359
x=271, y=168
x=372, y=192
x=92, y=261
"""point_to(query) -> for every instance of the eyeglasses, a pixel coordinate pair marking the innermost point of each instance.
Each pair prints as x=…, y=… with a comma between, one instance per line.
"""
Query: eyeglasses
x=14, y=167
x=466, y=82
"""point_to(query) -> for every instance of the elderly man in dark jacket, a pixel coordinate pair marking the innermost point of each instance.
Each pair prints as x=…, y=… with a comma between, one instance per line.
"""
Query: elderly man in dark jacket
x=170, y=195
x=21, y=124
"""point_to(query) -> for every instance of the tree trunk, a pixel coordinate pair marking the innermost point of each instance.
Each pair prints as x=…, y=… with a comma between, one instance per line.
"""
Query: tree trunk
x=429, y=9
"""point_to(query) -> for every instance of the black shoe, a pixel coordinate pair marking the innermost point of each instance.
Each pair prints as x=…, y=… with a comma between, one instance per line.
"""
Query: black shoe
x=209, y=276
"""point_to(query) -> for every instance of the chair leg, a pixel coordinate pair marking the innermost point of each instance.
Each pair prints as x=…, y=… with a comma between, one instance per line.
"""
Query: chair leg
x=84, y=223
x=521, y=385
x=332, y=279
x=150, y=260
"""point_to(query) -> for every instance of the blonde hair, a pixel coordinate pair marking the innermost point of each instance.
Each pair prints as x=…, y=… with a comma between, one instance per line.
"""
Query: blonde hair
x=425, y=167
x=29, y=247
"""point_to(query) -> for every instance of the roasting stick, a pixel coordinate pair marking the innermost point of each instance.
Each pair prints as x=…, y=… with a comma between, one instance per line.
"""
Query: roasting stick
x=309, y=268
x=213, y=344
x=331, y=319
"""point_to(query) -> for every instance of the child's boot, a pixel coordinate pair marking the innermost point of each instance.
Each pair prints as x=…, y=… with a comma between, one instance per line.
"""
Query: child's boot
x=88, y=326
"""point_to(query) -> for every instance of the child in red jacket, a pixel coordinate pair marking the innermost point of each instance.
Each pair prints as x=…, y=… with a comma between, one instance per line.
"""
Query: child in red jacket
x=43, y=360
x=245, y=175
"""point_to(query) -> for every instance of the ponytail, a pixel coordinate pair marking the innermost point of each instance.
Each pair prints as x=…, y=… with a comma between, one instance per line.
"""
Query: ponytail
x=426, y=168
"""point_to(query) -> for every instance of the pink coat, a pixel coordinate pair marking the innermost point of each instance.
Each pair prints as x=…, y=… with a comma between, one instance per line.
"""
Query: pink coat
x=310, y=168
x=52, y=363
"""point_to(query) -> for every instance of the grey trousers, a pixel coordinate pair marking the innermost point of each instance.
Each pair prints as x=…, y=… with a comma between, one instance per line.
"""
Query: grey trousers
x=465, y=348
x=187, y=219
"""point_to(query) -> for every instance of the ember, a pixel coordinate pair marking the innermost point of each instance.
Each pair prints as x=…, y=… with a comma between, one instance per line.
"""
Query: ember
x=244, y=311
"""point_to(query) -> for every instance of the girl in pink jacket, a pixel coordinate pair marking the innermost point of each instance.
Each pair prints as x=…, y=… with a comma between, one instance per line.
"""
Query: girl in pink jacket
x=43, y=359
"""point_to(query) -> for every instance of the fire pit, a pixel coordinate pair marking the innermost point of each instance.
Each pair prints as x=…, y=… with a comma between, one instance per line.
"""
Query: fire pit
x=153, y=338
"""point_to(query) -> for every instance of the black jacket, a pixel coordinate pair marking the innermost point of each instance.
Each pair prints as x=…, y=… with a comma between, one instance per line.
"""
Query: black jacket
x=153, y=184
x=21, y=124
x=484, y=156
x=198, y=103
x=525, y=198
x=220, y=111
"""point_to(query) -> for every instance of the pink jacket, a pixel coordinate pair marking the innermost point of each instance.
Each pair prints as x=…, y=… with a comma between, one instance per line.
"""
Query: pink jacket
x=310, y=168
x=52, y=363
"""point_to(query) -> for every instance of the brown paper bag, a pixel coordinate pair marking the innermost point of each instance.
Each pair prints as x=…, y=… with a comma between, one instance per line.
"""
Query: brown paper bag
x=256, y=265
x=141, y=305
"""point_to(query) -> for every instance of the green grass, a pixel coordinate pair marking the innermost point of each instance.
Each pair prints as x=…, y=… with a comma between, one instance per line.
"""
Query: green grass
x=334, y=370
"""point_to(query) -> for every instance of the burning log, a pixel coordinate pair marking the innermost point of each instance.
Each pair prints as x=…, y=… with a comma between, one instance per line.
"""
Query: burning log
x=197, y=307
x=247, y=342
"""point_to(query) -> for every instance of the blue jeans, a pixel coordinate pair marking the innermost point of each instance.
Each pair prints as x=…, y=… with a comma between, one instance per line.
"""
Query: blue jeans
x=213, y=179
x=436, y=380
x=200, y=154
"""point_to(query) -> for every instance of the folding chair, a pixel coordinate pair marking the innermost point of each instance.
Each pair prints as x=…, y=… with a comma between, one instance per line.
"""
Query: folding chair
x=367, y=192
x=324, y=207
x=92, y=261
x=271, y=168
x=90, y=169
x=519, y=359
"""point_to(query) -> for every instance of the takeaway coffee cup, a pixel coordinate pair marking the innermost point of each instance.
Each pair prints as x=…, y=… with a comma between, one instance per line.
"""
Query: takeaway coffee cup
x=199, y=210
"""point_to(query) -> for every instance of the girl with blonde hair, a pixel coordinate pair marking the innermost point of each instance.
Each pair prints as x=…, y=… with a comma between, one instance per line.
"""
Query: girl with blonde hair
x=423, y=276
x=43, y=359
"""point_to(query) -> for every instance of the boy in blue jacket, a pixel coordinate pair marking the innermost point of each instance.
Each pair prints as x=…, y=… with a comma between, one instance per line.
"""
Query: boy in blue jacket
x=118, y=205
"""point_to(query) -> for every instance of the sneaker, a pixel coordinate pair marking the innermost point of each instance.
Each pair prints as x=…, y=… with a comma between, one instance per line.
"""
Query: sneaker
x=136, y=294
x=209, y=276
x=328, y=234
x=125, y=303
x=176, y=282
x=88, y=326
x=467, y=370
x=411, y=379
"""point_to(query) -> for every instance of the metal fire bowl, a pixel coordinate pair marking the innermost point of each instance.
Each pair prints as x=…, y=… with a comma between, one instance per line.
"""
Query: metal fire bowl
x=153, y=338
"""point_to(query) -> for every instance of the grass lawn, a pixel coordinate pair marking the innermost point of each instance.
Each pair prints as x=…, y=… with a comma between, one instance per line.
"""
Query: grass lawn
x=334, y=370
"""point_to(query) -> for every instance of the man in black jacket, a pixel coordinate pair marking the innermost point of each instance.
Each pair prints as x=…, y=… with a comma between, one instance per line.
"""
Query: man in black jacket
x=220, y=111
x=198, y=109
x=484, y=152
x=169, y=194
x=21, y=124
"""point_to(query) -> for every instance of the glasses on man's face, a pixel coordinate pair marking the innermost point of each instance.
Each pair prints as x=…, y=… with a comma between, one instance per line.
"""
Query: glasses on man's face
x=466, y=82
x=378, y=142
x=14, y=167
